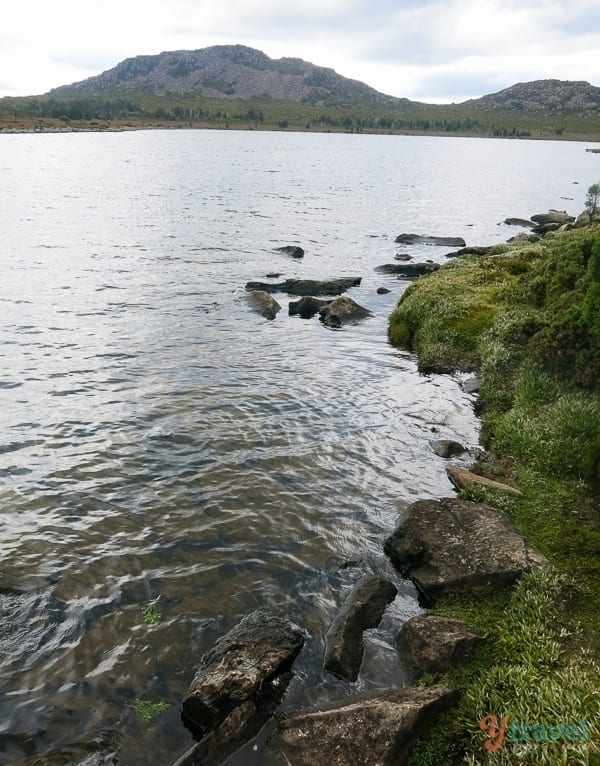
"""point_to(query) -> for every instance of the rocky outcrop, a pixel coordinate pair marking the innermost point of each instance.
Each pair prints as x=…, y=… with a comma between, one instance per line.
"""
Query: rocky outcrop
x=363, y=608
x=263, y=303
x=292, y=250
x=542, y=95
x=420, y=239
x=433, y=644
x=524, y=237
x=463, y=479
x=447, y=448
x=485, y=250
x=544, y=228
x=342, y=311
x=519, y=222
x=306, y=307
x=374, y=730
x=408, y=270
x=454, y=545
x=307, y=286
x=553, y=216
x=241, y=680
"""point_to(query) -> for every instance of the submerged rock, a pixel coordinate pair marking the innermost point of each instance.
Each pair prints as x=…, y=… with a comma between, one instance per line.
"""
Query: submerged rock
x=448, y=448
x=373, y=730
x=434, y=644
x=363, y=608
x=342, y=311
x=420, y=239
x=409, y=270
x=306, y=307
x=454, y=545
x=263, y=303
x=292, y=250
x=307, y=286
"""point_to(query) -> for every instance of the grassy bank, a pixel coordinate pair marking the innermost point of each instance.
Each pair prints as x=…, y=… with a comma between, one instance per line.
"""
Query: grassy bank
x=527, y=318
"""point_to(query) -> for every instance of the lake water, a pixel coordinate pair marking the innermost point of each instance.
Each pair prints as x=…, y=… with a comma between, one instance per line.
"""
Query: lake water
x=163, y=446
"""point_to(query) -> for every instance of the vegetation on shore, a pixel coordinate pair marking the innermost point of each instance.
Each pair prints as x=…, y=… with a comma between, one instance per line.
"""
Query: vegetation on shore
x=116, y=112
x=528, y=318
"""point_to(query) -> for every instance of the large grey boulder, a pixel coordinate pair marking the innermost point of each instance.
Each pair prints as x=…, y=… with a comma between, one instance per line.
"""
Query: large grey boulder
x=374, y=730
x=408, y=270
x=245, y=673
x=420, y=239
x=342, y=310
x=363, y=608
x=263, y=303
x=307, y=306
x=553, y=216
x=434, y=644
x=454, y=545
x=307, y=286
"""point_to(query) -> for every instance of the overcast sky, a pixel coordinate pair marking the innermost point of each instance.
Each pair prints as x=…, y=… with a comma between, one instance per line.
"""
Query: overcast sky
x=426, y=50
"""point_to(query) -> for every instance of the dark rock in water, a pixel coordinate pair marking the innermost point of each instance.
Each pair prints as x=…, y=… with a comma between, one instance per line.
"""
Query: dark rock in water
x=447, y=448
x=377, y=729
x=408, y=270
x=306, y=307
x=274, y=275
x=363, y=608
x=342, y=311
x=264, y=303
x=292, y=250
x=403, y=257
x=419, y=239
x=523, y=237
x=434, y=644
x=544, y=228
x=553, y=216
x=382, y=291
x=519, y=222
x=244, y=675
x=454, y=545
x=470, y=251
x=307, y=286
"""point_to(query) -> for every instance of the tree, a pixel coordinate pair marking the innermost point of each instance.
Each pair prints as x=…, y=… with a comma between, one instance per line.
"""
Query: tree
x=593, y=199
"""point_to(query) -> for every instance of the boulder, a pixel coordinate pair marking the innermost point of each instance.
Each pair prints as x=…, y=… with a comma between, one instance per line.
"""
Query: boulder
x=471, y=385
x=419, y=239
x=523, y=237
x=448, y=448
x=263, y=303
x=382, y=291
x=244, y=675
x=434, y=644
x=408, y=270
x=307, y=286
x=486, y=250
x=377, y=729
x=553, y=216
x=292, y=250
x=363, y=608
x=403, y=257
x=463, y=479
x=455, y=545
x=519, y=222
x=544, y=228
x=306, y=307
x=342, y=310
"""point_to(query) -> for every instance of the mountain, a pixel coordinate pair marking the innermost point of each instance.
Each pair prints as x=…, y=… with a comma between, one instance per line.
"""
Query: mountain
x=230, y=71
x=542, y=96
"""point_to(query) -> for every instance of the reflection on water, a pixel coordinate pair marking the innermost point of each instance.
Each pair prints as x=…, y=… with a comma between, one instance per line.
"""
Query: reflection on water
x=161, y=444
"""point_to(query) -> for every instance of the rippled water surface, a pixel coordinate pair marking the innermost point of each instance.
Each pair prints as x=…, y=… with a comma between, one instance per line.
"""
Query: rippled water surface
x=163, y=446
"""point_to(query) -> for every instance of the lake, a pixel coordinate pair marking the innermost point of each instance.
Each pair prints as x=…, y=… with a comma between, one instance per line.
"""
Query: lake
x=171, y=460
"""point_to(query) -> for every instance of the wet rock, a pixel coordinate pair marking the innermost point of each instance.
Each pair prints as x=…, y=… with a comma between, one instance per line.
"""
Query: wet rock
x=463, y=479
x=519, y=222
x=553, y=216
x=434, y=644
x=292, y=250
x=448, y=448
x=373, y=730
x=307, y=286
x=455, y=545
x=306, y=307
x=409, y=270
x=419, y=239
x=403, y=257
x=523, y=237
x=382, y=291
x=248, y=669
x=342, y=311
x=470, y=251
x=471, y=385
x=363, y=608
x=263, y=303
x=545, y=228
x=274, y=275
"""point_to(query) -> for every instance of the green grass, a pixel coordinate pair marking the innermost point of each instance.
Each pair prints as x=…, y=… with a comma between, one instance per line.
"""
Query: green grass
x=146, y=710
x=529, y=320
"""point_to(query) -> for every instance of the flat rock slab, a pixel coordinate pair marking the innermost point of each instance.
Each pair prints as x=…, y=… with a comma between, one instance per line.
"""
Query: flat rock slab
x=453, y=545
x=408, y=270
x=363, y=608
x=375, y=730
x=434, y=644
x=343, y=310
x=425, y=239
x=307, y=286
x=249, y=664
x=463, y=479
x=553, y=216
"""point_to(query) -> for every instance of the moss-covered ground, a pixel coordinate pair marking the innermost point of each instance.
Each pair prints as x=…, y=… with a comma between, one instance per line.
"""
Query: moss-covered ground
x=528, y=319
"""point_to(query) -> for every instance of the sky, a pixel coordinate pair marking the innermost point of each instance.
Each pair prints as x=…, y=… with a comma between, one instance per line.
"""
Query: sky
x=439, y=51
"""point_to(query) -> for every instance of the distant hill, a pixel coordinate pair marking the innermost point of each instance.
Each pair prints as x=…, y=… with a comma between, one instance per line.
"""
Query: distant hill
x=542, y=96
x=233, y=72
